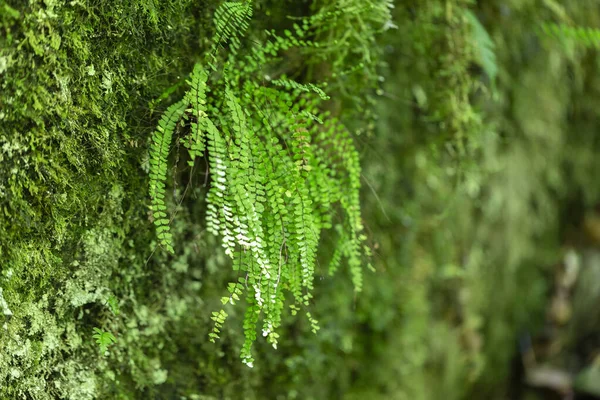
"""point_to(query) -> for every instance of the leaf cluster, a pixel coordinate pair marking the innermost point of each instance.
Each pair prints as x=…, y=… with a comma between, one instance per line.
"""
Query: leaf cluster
x=586, y=36
x=104, y=339
x=282, y=171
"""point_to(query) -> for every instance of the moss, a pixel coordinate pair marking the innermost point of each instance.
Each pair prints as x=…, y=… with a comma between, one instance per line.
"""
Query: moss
x=76, y=81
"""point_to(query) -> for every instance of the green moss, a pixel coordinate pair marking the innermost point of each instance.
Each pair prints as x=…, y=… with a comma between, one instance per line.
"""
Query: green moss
x=76, y=81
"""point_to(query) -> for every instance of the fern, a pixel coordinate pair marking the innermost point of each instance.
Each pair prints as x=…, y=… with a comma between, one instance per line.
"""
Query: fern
x=281, y=172
x=346, y=32
x=588, y=37
x=231, y=20
x=197, y=98
x=159, y=151
x=103, y=339
x=290, y=84
x=113, y=304
x=484, y=47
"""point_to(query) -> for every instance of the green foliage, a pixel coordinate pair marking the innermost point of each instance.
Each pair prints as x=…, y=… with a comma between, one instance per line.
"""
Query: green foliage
x=484, y=47
x=279, y=169
x=80, y=83
x=159, y=151
x=103, y=339
x=75, y=78
x=219, y=319
x=588, y=37
x=442, y=43
x=350, y=57
x=113, y=304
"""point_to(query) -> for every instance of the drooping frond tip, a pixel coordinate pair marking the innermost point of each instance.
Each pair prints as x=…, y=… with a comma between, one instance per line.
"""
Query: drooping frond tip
x=159, y=152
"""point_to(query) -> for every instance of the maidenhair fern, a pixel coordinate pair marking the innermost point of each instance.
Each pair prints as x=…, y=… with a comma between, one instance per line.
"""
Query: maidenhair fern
x=348, y=30
x=159, y=152
x=281, y=172
x=589, y=37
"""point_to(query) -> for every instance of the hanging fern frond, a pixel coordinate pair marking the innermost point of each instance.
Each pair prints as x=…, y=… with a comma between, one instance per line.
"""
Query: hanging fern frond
x=484, y=47
x=195, y=142
x=159, y=152
x=588, y=37
x=291, y=84
x=282, y=171
x=231, y=20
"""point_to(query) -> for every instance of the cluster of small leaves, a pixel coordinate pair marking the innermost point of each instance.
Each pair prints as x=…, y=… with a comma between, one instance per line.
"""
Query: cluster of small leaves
x=104, y=339
x=113, y=304
x=219, y=319
x=231, y=20
x=349, y=30
x=282, y=171
x=589, y=37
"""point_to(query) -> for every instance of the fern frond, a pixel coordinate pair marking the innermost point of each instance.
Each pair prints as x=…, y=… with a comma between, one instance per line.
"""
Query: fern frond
x=159, y=152
x=280, y=173
x=484, y=46
x=588, y=37
x=231, y=20
x=103, y=339
x=217, y=207
x=219, y=319
x=291, y=84
x=196, y=96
